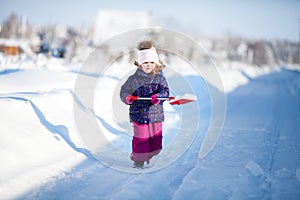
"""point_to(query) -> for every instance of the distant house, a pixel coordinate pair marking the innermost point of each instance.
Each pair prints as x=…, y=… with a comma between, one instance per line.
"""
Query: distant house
x=12, y=50
x=14, y=47
x=9, y=47
x=109, y=23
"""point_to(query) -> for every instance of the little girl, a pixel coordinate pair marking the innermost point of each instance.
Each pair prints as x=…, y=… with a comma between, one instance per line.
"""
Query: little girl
x=146, y=116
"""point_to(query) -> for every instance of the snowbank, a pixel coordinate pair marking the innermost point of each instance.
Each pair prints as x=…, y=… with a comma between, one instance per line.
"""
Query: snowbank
x=39, y=143
x=31, y=153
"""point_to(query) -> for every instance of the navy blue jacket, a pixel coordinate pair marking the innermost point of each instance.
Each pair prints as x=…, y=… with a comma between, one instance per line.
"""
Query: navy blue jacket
x=144, y=85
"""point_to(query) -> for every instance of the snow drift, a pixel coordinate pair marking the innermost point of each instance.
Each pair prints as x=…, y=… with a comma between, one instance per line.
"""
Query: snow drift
x=256, y=157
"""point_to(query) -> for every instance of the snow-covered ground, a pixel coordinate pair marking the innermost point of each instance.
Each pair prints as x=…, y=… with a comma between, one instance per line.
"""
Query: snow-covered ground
x=256, y=157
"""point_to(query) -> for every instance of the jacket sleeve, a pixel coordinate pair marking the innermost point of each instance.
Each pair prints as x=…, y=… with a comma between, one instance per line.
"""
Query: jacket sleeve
x=163, y=88
x=125, y=90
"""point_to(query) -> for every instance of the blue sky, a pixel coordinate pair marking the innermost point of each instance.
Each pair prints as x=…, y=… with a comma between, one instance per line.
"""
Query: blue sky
x=265, y=19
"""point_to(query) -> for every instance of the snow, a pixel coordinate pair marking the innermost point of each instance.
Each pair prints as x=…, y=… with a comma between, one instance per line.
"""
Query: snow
x=43, y=156
x=118, y=21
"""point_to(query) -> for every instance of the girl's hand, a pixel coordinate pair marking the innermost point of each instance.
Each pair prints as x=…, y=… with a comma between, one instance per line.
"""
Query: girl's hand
x=154, y=99
x=130, y=99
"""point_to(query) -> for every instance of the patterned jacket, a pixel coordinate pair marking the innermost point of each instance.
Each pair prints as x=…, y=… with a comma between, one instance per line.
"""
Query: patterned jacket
x=144, y=85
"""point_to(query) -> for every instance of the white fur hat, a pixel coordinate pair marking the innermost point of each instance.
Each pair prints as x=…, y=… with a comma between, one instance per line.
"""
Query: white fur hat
x=148, y=55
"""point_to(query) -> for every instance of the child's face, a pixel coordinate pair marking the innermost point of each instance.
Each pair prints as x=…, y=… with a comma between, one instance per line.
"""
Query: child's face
x=148, y=67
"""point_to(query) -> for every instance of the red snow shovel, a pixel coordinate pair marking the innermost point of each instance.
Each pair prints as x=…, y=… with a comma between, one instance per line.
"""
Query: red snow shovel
x=187, y=98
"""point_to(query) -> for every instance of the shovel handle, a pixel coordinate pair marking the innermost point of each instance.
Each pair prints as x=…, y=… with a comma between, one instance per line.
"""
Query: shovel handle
x=159, y=98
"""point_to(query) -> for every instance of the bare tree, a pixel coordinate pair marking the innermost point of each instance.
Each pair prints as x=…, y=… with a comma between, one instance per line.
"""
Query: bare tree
x=10, y=27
